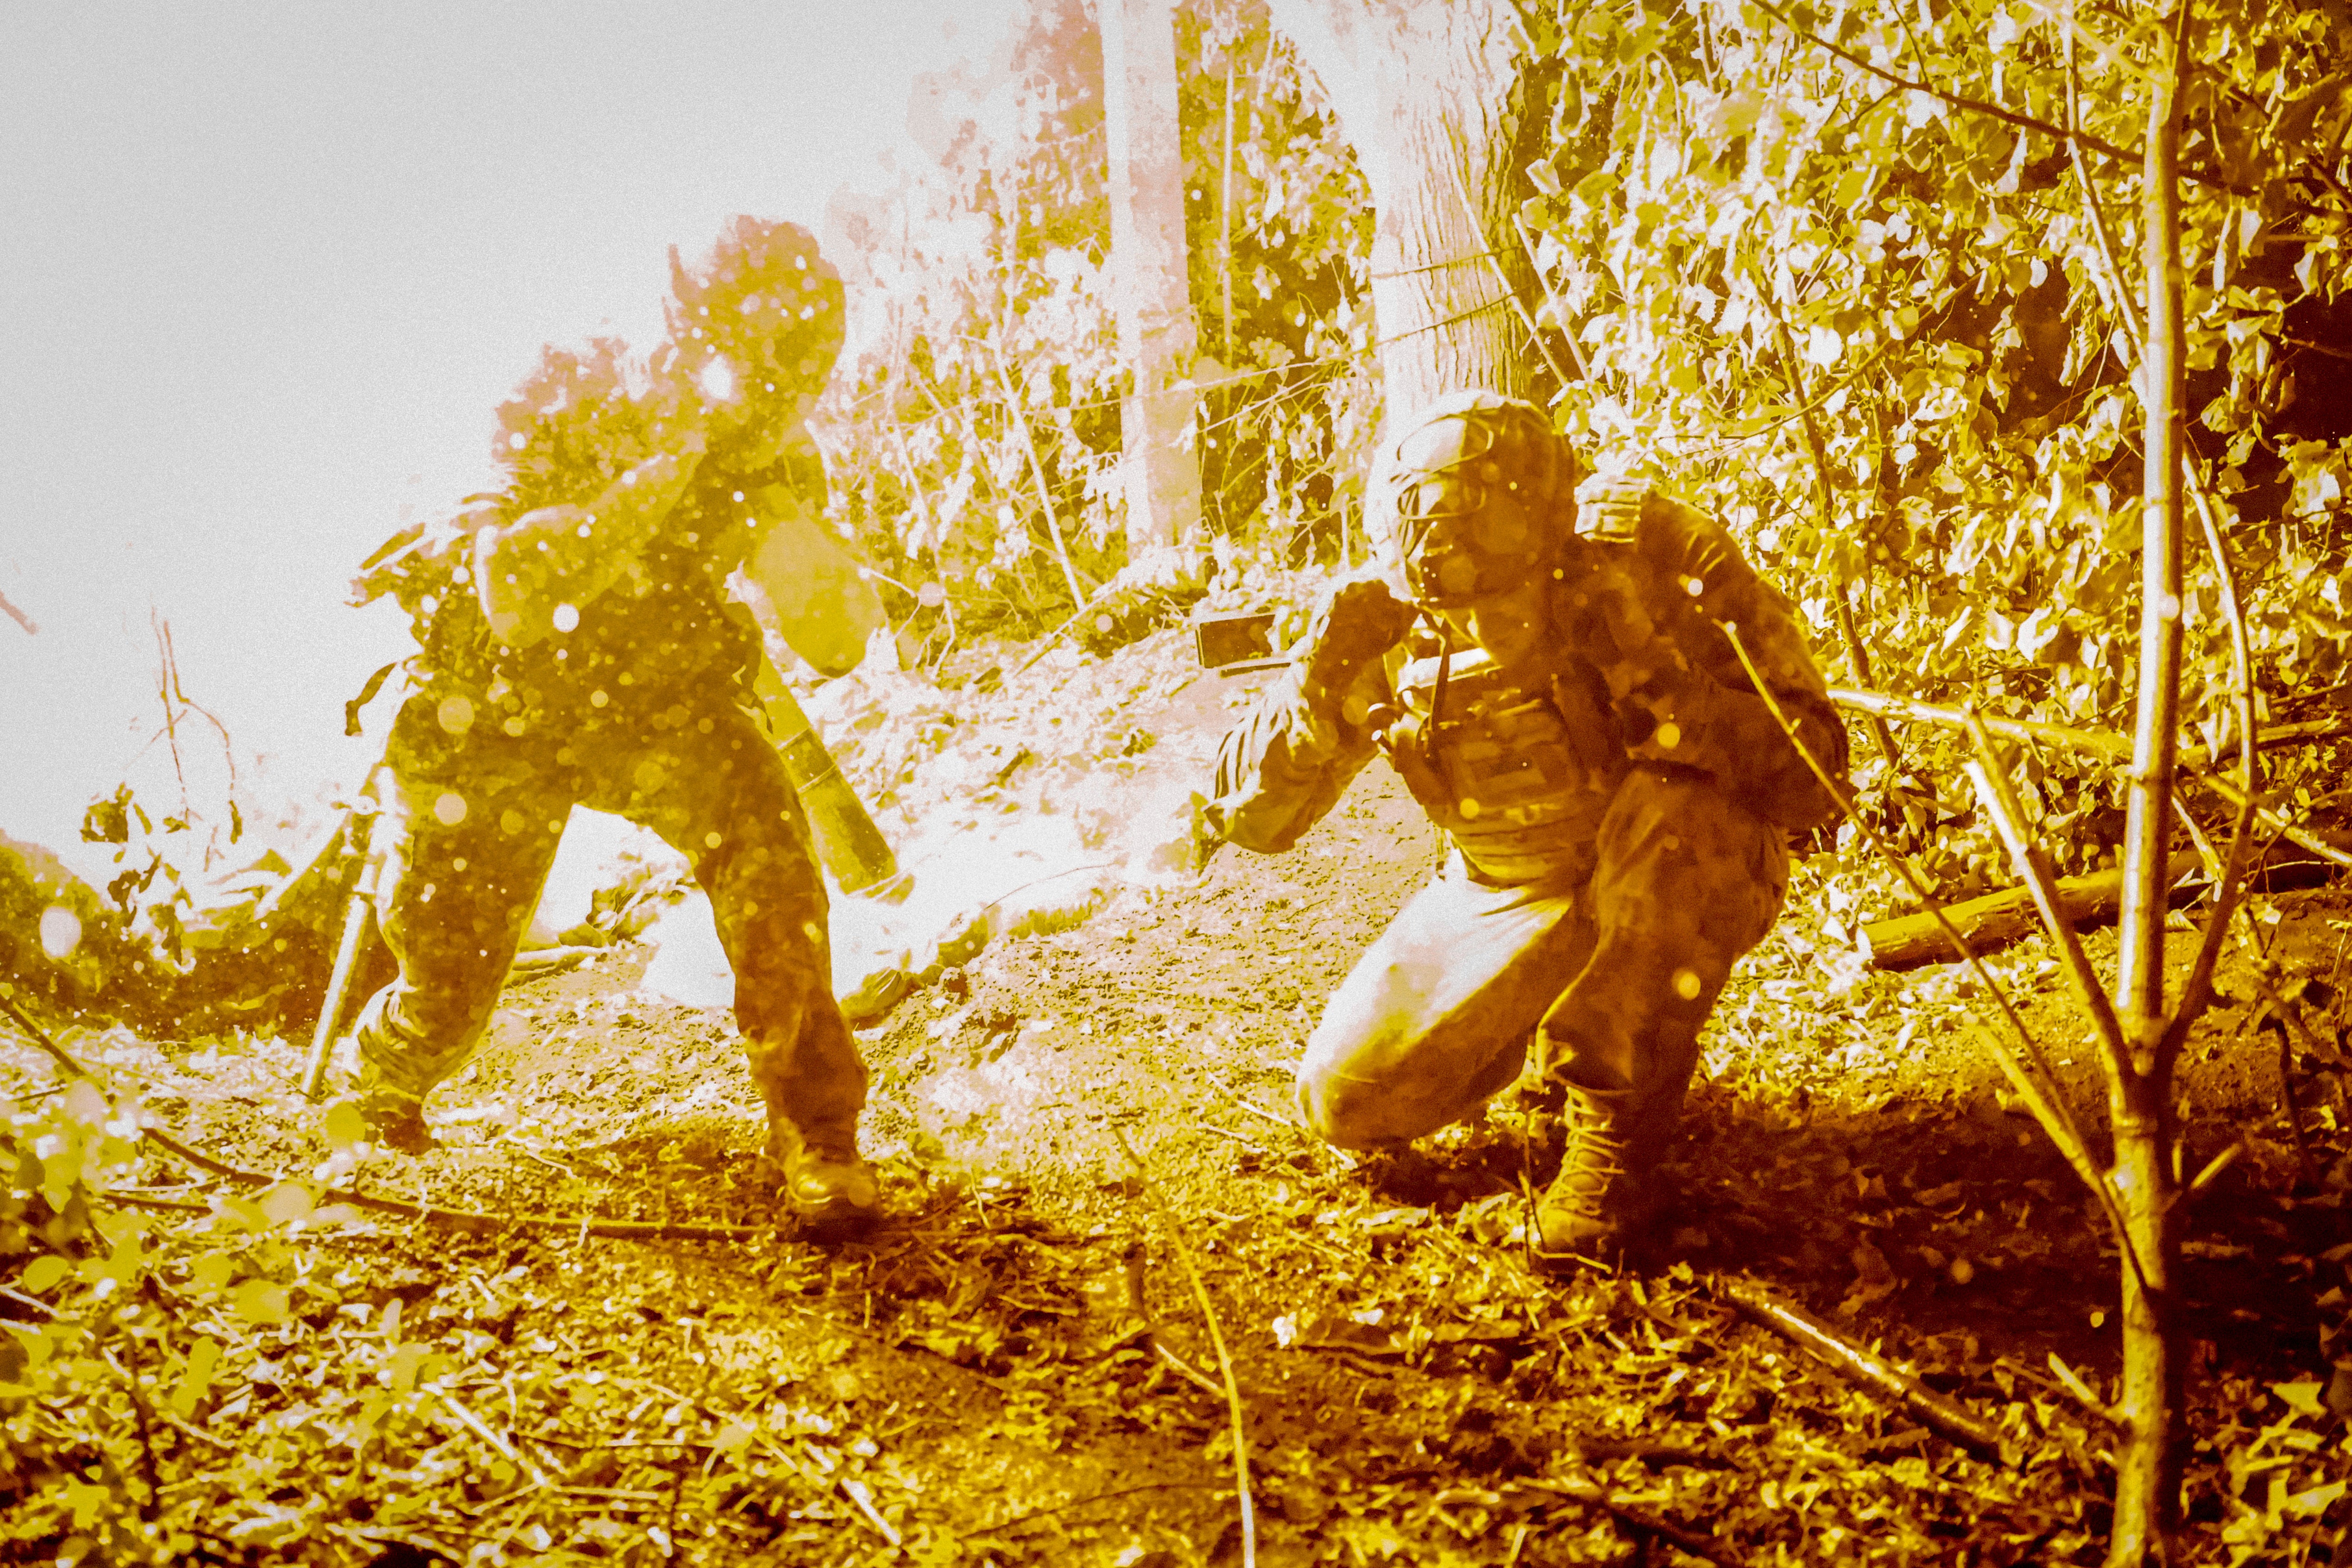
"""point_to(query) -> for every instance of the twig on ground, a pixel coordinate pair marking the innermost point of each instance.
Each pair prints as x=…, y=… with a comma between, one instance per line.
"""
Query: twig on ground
x=498, y=1445
x=149, y=1469
x=32, y=1303
x=1792, y=1323
x=1149, y=1332
x=1238, y=1098
x=1186, y=1369
x=1236, y=1137
x=1641, y=1520
x=854, y=1490
x=2081, y=1391
x=2213, y=1169
x=1217, y=1338
x=40, y=1037
x=823, y=1480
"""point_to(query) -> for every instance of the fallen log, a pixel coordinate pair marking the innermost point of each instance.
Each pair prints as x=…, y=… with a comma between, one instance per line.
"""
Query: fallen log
x=1998, y=919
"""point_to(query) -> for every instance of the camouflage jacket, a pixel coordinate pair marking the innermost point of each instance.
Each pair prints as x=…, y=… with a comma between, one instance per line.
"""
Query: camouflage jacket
x=1518, y=764
x=664, y=618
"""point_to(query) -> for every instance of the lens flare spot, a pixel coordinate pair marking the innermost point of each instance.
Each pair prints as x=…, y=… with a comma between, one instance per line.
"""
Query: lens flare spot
x=597, y=699
x=566, y=618
x=1686, y=985
x=1457, y=577
x=511, y=821
x=1670, y=735
x=450, y=808
x=60, y=931
x=455, y=714
x=712, y=841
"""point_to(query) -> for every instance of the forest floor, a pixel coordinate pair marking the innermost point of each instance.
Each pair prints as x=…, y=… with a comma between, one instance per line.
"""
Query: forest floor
x=1098, y=1196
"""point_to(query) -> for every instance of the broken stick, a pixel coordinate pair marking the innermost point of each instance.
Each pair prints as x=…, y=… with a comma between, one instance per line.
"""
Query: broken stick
x=1792, y=1323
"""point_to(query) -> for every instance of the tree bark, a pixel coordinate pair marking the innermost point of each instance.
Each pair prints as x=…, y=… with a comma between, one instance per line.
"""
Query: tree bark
x=1428, y=92
x=1157, y=337
x=2148, y=1462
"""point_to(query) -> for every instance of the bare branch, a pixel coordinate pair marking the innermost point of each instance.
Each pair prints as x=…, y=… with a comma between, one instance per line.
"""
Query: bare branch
x=2006, y=116
x=1217, y=1338
x=1535, y=262
x=2115, y=748
x=1825, y=490
x=1038, y=472
x=2230, y=881
x=2033, y=863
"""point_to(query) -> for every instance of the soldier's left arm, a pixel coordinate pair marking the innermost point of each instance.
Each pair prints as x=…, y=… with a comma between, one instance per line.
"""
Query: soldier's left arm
x=1720, y=723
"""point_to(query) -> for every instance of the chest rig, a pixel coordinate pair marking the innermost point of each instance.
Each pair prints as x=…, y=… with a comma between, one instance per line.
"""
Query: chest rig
x=1516, y=766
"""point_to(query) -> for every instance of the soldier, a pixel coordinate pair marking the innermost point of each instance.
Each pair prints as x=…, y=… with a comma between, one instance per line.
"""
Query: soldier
x=1557, y=693
x=580, y=647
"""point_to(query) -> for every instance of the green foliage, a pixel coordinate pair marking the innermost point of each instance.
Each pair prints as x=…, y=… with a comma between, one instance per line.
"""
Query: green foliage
x=128, y=1331
x=983, y=412
x=1751, y=240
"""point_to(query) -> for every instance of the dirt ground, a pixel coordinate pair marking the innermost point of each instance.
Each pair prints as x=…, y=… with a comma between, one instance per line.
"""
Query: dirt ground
x=1098, y=1198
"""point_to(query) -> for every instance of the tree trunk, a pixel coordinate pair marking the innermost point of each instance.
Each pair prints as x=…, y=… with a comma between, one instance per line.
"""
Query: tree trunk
x=1428, y=94
x=2148, y=1464
x=1157, y=335
x=2148, y=1460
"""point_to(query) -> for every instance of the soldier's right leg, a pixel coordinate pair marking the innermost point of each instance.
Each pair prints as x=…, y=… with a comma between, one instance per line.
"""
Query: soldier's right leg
x=1686, y=881
x=469, y=852
x=1435, y=1018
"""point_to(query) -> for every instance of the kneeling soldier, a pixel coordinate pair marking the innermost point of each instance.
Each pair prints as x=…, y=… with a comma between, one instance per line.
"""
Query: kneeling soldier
x=1559, y=694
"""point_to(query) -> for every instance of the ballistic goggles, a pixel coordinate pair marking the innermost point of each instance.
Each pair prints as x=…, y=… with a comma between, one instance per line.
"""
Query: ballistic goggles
x=1456, y=549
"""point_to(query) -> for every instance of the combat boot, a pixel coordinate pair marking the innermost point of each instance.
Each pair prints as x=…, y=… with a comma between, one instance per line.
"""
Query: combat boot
x=396, y=1119
x=828, y=1183
x=1598, y=1199
x=396, y=1070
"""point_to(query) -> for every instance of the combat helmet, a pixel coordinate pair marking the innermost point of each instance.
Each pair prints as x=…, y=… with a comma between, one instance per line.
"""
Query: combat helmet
x=1430, y=494
x=765, y=303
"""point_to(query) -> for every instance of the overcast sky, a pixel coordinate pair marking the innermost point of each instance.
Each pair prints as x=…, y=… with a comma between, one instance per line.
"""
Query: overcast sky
x=265, y=270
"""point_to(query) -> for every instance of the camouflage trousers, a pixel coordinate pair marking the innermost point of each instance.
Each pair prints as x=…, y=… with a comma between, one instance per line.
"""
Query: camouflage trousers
x=1609, y=976
x=474, y=820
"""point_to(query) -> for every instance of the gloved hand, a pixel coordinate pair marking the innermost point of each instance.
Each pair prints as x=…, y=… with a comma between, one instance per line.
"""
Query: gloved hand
x=1337, y=681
